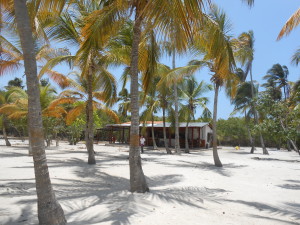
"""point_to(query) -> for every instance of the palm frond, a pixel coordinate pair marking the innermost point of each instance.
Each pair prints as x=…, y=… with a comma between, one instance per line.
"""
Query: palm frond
x=290, y=24
x=75, y=112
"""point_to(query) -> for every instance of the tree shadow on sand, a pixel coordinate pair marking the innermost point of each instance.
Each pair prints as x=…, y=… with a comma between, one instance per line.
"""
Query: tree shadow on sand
x=274, y=159
x=226, y=170
x=286, y=209
x=91, y=196
x=293, y=185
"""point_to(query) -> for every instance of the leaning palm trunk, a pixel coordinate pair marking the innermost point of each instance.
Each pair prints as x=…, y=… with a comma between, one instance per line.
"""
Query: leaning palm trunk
x=153, y=137
x=289, y=140
x=165, y=132
x=177, y=145
x=214, y=126
x=7, y=143
x=137, y=178
x=49, y=210
x=265, y=152
x=89, y=131
x=251, y=141
x=187, y=149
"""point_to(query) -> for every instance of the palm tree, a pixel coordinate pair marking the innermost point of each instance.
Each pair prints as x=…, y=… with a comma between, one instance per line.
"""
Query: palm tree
x=3, y=101
x=278, y=75
x=148, y=14
x=151, y=103
x=273, y=89
x=216, y=46
x=49, y=210
x=243, y=102
x=17, y=107
x=244, y=53
x=190, y=92
x=165, y=97
x=78, y=96
x=91, y=57
x=124, y=102
x=295, y=95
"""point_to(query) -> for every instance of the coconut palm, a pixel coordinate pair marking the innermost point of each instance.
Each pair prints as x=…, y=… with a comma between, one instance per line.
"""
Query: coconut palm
x=278, y=75
x=12, y=57
x=190, y=92
x=78, y=96
x=218, y=57
x=148, y=14
x=3, y=122
x=49, y=210
x=151, y=103
x=124, y=103
x=243, y=103
x=165, y=97
x=91, y=57
x=273, y=89
x=17, y=107
x=244, y=53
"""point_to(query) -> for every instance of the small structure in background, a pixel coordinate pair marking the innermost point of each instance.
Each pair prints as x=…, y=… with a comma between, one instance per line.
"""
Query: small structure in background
x=199, y=134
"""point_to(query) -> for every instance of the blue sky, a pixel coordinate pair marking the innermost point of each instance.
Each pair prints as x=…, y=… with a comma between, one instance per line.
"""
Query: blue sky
x=266, y=19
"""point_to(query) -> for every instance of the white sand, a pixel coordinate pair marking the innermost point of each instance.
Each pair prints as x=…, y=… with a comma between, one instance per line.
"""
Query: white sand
x=186, y=189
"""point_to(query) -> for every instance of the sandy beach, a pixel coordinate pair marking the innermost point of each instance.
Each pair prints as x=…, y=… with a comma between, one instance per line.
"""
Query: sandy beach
x=184, y=189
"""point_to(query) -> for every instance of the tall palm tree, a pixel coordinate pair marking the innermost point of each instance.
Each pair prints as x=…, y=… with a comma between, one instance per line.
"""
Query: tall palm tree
x=216, y=46
x=190, y=92
x=91, y=57
x=49, y=210
x=278, y=75
x=243, y=102
x=148, y=14
x=244, y=53
x=165, y=97
x=151, y=14
x=151, y=103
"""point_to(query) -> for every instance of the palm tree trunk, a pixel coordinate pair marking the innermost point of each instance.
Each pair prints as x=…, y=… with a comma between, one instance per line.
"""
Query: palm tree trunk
x=187, y=149
x=177, y=145
x=165, y=132
x=89, y=131
x=265, y=152
x=7, y=143
x=137, y=178
x=49, y=210
x=250, y=137
x=289, y=140
x=284, y=91
x=251, y=141
x=214, y=125
x=153, y=137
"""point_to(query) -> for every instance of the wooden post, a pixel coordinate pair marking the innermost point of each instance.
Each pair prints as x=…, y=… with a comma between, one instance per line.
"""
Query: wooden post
x=192, y=137
x=169, y=137
x=199, y=137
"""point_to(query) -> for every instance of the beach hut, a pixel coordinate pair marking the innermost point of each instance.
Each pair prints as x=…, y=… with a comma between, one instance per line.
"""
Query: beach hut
x=199, y=134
